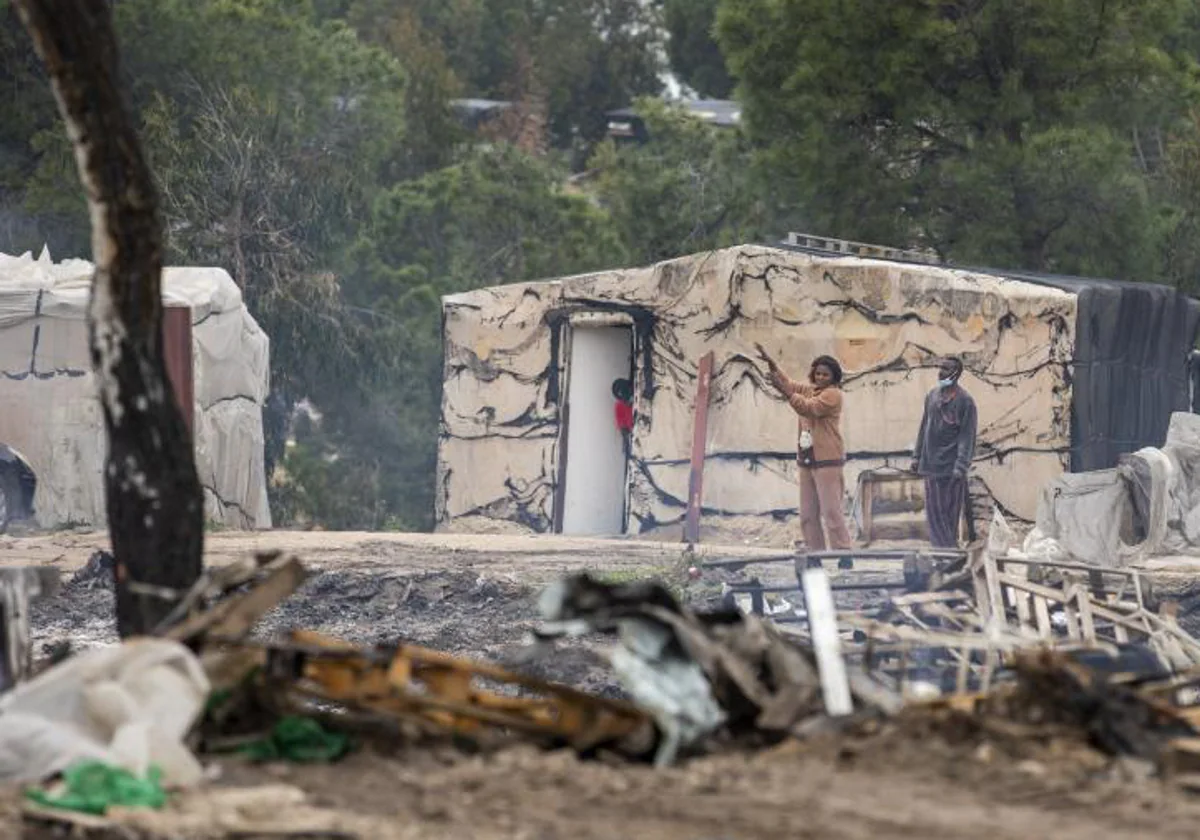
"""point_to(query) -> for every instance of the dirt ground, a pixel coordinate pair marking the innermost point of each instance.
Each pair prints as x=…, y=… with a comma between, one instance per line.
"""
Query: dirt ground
x=476, y=596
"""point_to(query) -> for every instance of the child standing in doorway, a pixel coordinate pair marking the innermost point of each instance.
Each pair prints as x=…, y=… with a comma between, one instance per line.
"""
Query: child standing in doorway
x=622, y=391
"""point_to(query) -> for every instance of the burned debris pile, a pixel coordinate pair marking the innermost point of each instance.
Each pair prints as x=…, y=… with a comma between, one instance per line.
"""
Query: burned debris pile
x=1002, y=646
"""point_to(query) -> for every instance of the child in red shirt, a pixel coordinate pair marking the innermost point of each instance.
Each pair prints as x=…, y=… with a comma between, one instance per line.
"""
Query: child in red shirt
x=622, y=390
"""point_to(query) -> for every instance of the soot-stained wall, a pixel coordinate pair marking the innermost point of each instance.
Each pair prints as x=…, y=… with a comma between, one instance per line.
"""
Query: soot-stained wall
x=888, y=323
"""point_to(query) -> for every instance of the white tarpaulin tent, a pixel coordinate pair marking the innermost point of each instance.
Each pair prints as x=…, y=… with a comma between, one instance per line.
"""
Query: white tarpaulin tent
x=1147, y=506
x=50, y=413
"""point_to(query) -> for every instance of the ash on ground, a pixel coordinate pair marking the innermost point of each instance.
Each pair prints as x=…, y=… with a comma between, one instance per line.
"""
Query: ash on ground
x=462, y=613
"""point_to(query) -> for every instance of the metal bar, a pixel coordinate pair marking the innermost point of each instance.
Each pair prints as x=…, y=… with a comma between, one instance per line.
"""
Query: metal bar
x=757, y=602
x=691, y=527
x=737, y=563
x=857, y=587
x=758, y=587
x=883, y=553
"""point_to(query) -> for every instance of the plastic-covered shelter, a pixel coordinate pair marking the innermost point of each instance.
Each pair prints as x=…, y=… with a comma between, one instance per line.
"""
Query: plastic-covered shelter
x=50, y=412
x=1068, y=374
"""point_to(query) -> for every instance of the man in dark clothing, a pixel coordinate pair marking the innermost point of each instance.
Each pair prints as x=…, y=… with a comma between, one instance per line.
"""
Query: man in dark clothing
x=943, y=452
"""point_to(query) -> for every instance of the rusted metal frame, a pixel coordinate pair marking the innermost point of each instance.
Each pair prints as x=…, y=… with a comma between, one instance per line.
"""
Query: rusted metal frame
x=738, y=563
x=691, y=525
x=933, y=637
x=806, y=560
x=1064, y=597
x=1023, y=603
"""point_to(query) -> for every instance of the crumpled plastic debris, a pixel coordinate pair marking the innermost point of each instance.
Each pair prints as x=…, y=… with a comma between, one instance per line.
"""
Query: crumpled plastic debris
x=299, y=740
x=128, y=706
x=696, y=673
x=92, y=787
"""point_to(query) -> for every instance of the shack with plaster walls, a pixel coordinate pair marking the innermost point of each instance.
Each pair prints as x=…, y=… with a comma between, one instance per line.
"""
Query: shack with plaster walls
x=1067, y=374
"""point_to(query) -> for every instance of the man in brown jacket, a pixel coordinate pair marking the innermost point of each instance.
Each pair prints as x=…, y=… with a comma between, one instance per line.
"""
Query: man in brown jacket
x=821, y=451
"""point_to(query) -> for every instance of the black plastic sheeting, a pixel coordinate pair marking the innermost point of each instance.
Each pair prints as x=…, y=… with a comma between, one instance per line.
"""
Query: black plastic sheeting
x=1132, y=369
x=1133, y=362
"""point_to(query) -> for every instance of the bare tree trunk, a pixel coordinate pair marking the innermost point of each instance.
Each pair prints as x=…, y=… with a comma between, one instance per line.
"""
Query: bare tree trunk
x=154, y=501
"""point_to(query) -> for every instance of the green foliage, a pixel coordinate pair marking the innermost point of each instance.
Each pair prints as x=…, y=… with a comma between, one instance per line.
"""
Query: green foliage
x=578, y=57
x=33, y=207
x=1179, y=185
x=496, y=217
x=996, y=131
x=265, y=161
x=686, y=190
x=693, y=52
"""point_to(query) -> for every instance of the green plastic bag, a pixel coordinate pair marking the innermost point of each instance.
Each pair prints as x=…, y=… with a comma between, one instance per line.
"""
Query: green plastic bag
x=300, y=740
x=93, y=787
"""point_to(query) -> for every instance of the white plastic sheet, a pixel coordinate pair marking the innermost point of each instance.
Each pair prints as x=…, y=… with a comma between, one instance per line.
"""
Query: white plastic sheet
x=1147, y=506
x=130, y=706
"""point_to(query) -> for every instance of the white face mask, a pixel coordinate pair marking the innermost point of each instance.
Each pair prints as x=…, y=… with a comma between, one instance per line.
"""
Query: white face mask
x=945, y=383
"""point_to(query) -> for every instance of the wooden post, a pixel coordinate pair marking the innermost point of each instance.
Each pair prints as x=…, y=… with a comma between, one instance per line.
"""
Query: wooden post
x=177, y=356
x=691, y=525
x=18, y=587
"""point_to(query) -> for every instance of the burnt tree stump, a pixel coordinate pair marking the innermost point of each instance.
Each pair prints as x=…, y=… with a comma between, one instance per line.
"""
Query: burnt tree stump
x=153, y=497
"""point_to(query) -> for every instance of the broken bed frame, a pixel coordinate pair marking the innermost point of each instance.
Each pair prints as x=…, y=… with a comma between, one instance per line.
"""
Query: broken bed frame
x=965, y=613
x=920, y=569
